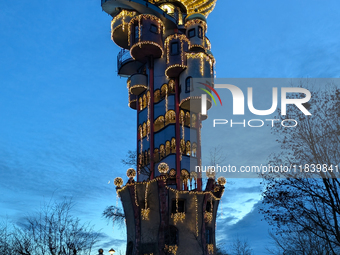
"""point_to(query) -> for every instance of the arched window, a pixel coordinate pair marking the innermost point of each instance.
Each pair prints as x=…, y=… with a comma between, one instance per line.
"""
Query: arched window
x=140, y=131
x=146, y=158
x=164, y=90
x=171, y=86
x=140, y=103
x=161, y=152
x=187, y=119
x=188, y=148
x=170, y=117
x=183, y=146
x=144, y=129
x=157, y=95
x=156, y=155
x=194, y=150
x=193, y=120
x=144, y=101
x=173, y=145
x=181, y=116
x=159, y=123
x=200, y=32
x=148, y=127
x=147, y=97
x=188, y=85
x=167, y=148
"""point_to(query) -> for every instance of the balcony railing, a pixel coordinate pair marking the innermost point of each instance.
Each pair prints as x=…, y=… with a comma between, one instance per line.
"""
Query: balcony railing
x=123, y=57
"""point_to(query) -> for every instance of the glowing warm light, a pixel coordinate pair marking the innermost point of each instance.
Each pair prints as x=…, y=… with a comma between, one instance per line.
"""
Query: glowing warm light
x=163, y=168
x=131, y=173
x=118, y=182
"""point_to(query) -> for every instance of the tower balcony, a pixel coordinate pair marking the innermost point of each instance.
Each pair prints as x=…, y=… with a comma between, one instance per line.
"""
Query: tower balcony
x=133, y=101
x=137, y=84
x=145, y=37
x=176, y=46
x=120, y=27
x=200, y=65
x=196, y=28
x=126, y=65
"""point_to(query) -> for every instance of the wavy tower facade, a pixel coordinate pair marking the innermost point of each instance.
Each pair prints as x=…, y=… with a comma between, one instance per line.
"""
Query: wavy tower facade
x=164, y=48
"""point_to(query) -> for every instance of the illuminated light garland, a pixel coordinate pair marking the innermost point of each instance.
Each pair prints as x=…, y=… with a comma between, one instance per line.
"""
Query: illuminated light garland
x=139, y=44
x=171, y=249
x=172, y=173
x=178, y=216
x=136, y=87
x=202, y=56
x=139, y=19
x=194, y=22
x=145, y=212
x=196, y=207
x=181, y=38
x=136, y=201
x=193, y=98
x=197, y=46
x=166, y=99
x=163, y=177
x=207, y=43
x=208, y=216
x=121, y=16
x=210, y=248
x=174, y=66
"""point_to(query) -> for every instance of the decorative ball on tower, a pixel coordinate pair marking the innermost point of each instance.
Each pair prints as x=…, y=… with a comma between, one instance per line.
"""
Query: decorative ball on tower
x=221, y=181
x=210, y=173
x=131, y=173
x=163, y=168
x=118, y=182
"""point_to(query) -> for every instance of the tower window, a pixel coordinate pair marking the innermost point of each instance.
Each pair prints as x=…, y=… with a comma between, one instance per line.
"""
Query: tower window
x=200, y=32
x=181, y=205
x=154, y=29
x=174, y=48
x=191, y=33
x=188, y=85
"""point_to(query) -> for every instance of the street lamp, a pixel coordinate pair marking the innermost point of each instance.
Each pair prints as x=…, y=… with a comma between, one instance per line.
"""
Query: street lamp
x=112, y=251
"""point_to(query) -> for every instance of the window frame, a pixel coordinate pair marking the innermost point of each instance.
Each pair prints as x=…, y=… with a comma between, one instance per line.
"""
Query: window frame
x=200, y=32
x=190, y=31
x=177, y=48
x=189, y=88
x=151, y=29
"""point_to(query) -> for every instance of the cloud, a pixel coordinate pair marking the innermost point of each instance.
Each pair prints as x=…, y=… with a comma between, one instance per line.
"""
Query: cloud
x=251, y=227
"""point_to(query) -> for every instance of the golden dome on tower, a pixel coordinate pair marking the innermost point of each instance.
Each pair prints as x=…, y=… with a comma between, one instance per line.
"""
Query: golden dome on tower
x=204, y=7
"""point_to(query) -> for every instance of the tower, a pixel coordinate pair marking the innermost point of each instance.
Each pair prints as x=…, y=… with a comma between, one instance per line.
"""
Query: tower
x=164, y=49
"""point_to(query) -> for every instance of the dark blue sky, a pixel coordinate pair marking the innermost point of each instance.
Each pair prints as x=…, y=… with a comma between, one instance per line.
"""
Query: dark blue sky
x=65, y=123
